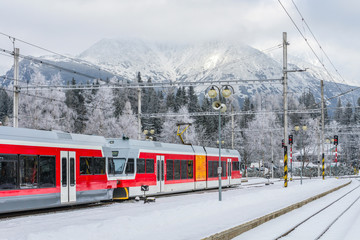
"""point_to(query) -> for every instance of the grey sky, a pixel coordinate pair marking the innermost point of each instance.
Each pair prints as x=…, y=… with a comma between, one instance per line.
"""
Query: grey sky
x=71, y=26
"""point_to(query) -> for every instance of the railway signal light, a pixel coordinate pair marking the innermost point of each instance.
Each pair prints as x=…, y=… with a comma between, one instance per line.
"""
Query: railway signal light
x=282, y=143
x=291, y=139
x=336, y=140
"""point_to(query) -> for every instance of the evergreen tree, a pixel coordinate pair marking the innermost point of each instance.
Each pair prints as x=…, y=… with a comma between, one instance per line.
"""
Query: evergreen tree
x=120, y=97
x=357, y=113
x=178, y=99
x=75, y=100
x=348, y=115
x=338, y=114
x=308, y=101
x=151, y=104
x=247, y=118
x=193, y=102
x=170, y=100
x=5, y=106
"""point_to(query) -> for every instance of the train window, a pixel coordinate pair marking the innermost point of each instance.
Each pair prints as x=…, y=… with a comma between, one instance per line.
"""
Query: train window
x=28, y=171
x=86, y=165
x=64, y=172
x=130, y=166
x=190, y=169
x=111, y=166
x=213, y=168
x=140, y=165
x=210, y=169
x=119, y=165
x=99, y=166
x=183, y=169
x=223, y=171
x=72, y=171
x=176, y=169
x=149, y=165
x=235, y=166
x=8, y=172
x=46, y=171
x=170, y=170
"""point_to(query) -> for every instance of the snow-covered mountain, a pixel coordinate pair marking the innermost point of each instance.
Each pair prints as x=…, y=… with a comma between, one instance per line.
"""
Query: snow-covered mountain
x=211, y=61
x=191, y=62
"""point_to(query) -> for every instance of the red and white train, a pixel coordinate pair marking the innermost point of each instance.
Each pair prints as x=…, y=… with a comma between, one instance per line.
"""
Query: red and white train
x=44, y=169
x=168, y=168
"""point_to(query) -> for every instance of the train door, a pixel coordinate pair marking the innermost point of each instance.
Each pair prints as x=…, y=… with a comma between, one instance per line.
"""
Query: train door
x=160, y=173
x=68, y=177
x=229, y=170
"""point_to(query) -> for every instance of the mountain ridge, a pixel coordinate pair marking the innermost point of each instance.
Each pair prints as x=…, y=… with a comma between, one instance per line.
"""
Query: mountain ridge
x=206, y=61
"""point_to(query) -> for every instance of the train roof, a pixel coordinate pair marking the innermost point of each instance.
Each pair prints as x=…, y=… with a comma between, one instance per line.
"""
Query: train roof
x=168, y=147
x=23, y=135
x=149, y=145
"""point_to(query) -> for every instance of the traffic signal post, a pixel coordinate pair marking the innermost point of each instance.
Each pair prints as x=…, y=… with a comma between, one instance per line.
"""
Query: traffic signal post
x=291, y=143
x=336, y=141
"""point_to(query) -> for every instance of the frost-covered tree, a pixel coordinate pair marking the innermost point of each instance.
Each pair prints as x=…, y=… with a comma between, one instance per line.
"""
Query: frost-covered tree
x=5, y=106
x=128, y=122
x=45, y=109
x=170, y=128
x=100, y=113
x=262, y=135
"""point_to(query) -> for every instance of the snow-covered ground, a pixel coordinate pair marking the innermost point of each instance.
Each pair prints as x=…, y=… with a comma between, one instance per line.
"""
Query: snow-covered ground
x=345, y=228
x=192, y=216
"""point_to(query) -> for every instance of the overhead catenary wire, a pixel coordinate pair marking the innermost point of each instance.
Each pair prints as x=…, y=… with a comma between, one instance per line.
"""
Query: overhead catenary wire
x=51, y=65
x=320, y=47
x=55, y=53
x=311, y=48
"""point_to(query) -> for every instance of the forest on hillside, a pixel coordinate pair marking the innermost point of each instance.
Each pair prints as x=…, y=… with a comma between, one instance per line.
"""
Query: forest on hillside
x=256, y=130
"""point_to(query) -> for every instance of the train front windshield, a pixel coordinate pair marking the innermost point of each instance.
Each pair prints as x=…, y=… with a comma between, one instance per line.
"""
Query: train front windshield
x=119, y=165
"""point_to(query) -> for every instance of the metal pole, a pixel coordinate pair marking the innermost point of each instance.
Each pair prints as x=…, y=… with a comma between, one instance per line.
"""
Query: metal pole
x=285, y=106
x=322, y=119
x=139, y=113
x=319, y=150
x=330, y=158
x=336, y=160
x=285, y=85
x=272, y=157
x=285, y=167
x=302, y=159
x=323, y=166
x=291, y=160
x=16, y=88
x=232, y=128
x=219, y=168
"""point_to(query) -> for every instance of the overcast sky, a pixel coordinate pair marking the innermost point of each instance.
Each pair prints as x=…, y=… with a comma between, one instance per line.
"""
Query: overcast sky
x=71, y=26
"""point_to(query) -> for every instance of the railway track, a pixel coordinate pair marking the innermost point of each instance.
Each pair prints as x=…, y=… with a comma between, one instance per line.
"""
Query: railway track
x=335, y=210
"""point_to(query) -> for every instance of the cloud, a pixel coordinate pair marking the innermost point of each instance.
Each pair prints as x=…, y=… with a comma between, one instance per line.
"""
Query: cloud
x=71, y=26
